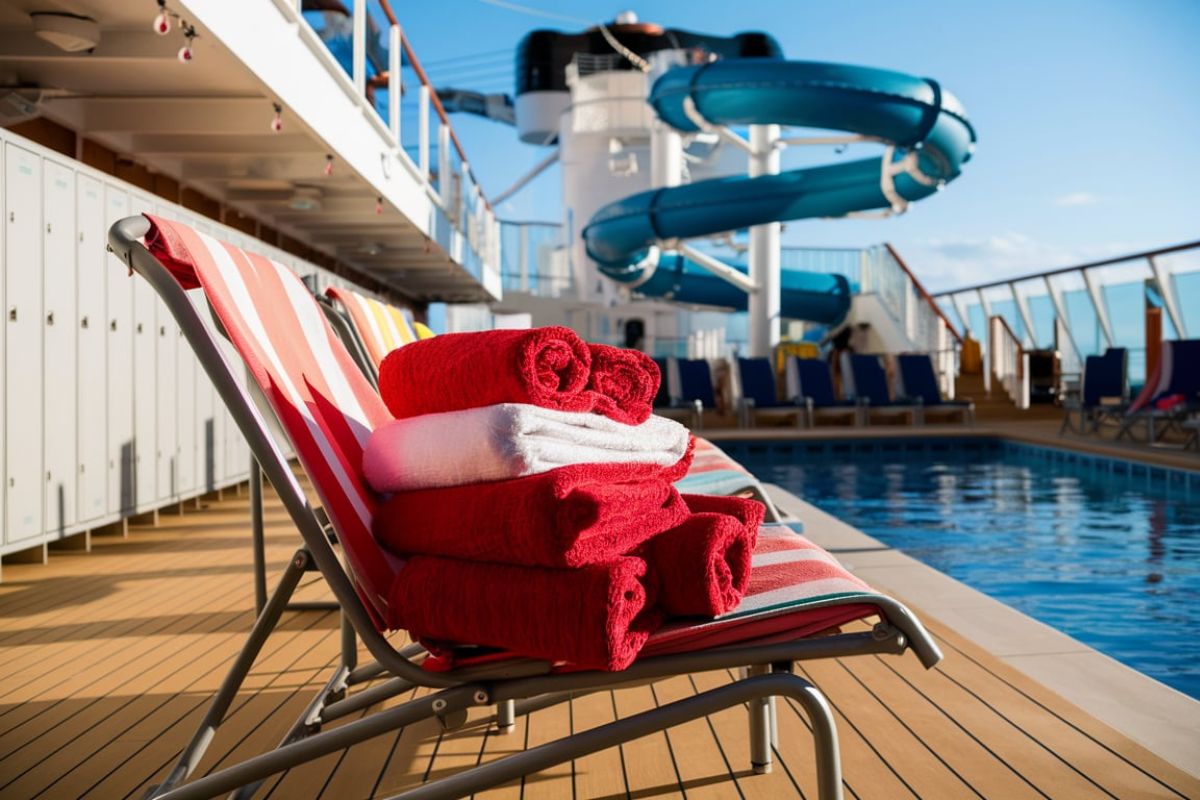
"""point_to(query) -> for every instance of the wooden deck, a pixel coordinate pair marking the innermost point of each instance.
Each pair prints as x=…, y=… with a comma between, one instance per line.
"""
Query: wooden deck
x=108, y=658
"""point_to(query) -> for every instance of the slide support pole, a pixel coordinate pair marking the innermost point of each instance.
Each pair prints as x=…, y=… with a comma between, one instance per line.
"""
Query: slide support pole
x=764, y=320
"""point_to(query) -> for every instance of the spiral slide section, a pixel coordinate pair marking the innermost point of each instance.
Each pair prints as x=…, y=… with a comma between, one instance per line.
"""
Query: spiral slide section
x=925, y=129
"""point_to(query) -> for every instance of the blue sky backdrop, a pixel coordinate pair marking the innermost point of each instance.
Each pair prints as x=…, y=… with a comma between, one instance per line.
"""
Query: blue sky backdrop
x=1088, y=115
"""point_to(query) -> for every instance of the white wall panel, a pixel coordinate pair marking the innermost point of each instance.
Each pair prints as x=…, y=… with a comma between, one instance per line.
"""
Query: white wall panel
x=90, y=396
x=23, y=343
x=145, y=371
x=59, y=360
x=119, y=376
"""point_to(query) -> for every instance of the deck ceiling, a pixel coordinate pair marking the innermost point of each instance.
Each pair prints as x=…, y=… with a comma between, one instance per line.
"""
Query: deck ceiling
x=208, y=125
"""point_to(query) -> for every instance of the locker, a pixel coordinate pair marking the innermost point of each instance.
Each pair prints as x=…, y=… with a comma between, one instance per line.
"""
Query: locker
x=119, y=338
x=59, y=365
x=23, y=343
x=145, y=397
x=3, y=309
x=186, y=366
x=166, y=344
x=90, y=398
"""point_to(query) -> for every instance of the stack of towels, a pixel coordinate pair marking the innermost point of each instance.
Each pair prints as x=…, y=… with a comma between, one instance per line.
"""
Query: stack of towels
x=530, y=492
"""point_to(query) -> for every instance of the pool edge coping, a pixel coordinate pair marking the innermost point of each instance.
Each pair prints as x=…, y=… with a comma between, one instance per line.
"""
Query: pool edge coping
x=1148, y=712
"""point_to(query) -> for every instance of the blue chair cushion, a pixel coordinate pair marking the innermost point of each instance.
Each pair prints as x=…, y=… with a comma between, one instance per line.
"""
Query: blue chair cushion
x=816, y=382
x=758, y=381
x=916, y=370
x=870, y=381
x=695, y=382
x=662, y=397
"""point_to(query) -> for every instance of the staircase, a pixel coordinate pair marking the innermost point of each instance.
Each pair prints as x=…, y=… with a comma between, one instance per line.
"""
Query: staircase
x=998, y=405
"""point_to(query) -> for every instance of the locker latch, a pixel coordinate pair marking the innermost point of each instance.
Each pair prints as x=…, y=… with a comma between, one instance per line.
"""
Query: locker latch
x=83, y=323
x=50, y=318
x=12, y=314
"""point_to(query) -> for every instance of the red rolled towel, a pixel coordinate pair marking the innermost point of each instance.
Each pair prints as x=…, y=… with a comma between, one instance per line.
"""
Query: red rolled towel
x=703, y=566
x=566, y=517
x=546, y=367
x=626, y=382
x=595, y=617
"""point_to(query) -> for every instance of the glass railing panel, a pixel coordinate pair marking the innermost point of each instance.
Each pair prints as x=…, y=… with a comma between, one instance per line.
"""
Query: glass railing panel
x=533, y=260
x=1079, y=312
x=1181, y=271
x=1001, y=303
x=951, y=313
x=335, y=27
x=1038, y=312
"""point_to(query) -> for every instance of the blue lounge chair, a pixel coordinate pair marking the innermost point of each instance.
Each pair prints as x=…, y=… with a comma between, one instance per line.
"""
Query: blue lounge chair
x=918, y=383
x=865, y=382
x=1178, y=375
x=662, y=398
x=810, y=384
x=1104, y=395
x=758, y=395
x=690, y=387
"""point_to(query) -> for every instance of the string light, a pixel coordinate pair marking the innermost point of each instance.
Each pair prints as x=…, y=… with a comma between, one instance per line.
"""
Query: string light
x=277, y=120
x=328, y=170
x=162, y=26
x=378, y=205
x=162, y=22
x=185, y=52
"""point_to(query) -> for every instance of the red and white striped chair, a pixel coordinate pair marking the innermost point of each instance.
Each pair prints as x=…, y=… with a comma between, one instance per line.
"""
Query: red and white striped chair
x=327, y=409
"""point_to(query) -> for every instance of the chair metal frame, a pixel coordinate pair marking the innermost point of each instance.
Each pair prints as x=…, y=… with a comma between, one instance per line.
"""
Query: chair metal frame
x=525, y=682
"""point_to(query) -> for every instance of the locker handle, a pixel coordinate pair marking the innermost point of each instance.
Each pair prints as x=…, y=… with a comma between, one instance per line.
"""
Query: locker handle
x=50, y=318
x=83, y=323
x=112, y=325
x=139, y=327
x=12, y=314
x=162, y=330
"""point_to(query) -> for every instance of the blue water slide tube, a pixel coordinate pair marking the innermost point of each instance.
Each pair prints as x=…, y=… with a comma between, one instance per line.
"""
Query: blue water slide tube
x=925, y=128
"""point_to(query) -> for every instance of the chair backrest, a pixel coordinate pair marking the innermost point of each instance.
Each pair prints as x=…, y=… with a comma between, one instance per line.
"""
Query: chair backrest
x=758, y=381
x=918, y=378
x=810, y=378
x=695, y=381
x=322, y=399
x=662, y=398
x=870, y=381
x=1180, y=369
x=1105, y=376
x=381, y=326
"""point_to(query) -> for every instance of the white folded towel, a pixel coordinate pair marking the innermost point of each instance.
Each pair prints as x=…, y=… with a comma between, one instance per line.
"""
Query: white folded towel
x=509, y=440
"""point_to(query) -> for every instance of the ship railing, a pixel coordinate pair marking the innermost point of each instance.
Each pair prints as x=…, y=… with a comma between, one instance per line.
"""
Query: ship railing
x=364, y=47
x=1008, y=363
x=1081, y=310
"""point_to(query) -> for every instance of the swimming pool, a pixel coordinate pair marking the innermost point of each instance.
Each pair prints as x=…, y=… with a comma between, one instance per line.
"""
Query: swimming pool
x=1105, y=550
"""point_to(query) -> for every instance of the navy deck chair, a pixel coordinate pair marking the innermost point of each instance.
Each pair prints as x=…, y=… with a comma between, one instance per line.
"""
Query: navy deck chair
x=919, y=384
x=1178, y=376
x=690, y=390
x=1104, y=396
x=810, y=385
x=865, y=382
x=758, y=395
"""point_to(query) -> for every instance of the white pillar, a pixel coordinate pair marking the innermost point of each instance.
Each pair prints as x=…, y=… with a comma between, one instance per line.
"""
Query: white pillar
x=764, y=251
x=666, y=155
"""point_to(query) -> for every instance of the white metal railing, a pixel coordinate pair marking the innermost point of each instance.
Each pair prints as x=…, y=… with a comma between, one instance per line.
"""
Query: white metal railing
x=1008, y=363
x=383, y=61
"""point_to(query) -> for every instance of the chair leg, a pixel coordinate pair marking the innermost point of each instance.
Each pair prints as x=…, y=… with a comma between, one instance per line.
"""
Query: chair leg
x=760, y=714
x=506, y=716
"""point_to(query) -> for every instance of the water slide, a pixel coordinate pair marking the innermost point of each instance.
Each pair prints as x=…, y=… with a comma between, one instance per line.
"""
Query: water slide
x=924, y=128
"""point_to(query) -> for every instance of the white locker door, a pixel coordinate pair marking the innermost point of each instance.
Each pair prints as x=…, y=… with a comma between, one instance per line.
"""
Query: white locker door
x=145, y=396
x=23, y=343
x=119, y=337
x=185, y=408
x=166, y=343
x=90, y=396
x=59, y=355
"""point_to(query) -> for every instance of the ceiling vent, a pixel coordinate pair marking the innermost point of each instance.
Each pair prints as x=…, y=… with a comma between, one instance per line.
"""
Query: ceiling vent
x=19, y=104
x=69, y=32
x=305, y=198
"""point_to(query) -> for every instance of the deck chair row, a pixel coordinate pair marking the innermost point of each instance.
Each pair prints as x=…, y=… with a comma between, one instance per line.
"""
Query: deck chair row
x=808, y=395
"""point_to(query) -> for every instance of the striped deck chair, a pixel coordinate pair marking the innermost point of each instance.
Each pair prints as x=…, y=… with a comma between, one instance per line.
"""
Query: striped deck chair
x=382, y=327
x=714, y=472
x=327, y=409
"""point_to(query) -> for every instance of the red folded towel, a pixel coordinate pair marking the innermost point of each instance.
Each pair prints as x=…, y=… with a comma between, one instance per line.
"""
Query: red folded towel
x=595, y=617
x=546, y=367
x=562, y=518
x=703, y=566
x=626, y=381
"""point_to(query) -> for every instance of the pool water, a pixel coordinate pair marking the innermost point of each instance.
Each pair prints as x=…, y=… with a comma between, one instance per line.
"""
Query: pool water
x=1101, y=549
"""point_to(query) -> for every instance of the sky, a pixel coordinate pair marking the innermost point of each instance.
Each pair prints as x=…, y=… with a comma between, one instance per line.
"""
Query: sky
x=1087, y=113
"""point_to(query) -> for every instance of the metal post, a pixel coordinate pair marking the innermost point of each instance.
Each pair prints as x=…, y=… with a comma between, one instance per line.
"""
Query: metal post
x=666, y=155
x=445, y=187
x=1163, y=281
x=1093, y=290
x=395, y=82
x=359, y=56
x=760, y=726
x=764, y=250
x=257, y=536
x=423, y=131
x=1060, y=314
x=523, y=256
x=1026, y=316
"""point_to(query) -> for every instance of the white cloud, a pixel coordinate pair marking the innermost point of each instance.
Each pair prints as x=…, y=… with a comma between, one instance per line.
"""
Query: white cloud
x=1077, y=199
x=947, y=263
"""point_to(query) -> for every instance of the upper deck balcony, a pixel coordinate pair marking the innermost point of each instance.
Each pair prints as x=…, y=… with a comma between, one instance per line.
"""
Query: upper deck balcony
x=379, y=185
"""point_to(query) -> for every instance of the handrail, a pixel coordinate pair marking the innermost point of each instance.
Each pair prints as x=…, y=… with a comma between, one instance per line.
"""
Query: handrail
x=1061, y=270
x=415, y=63
x=928, y=298
x=1006, y=361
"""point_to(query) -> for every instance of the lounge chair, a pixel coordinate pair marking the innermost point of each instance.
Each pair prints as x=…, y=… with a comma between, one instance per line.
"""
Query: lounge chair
x=810, y=384
x=1104, y=395
x=1177, y=377
x=327, y=409
x=690, y=388
x=918, y=383
x=758, y=395
x=714, y=472
x=662, y=398
x=865, y=383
